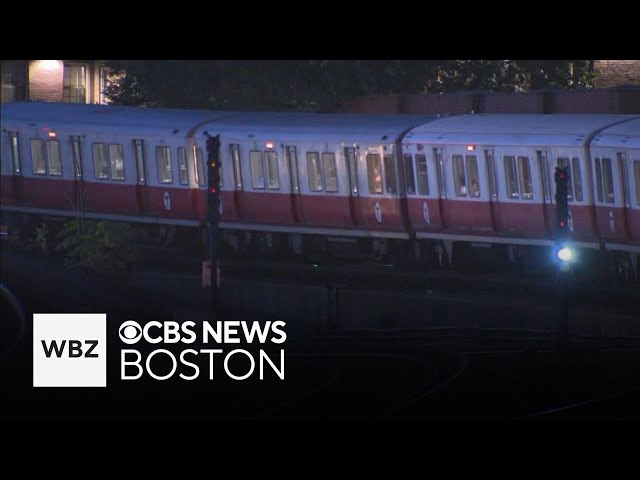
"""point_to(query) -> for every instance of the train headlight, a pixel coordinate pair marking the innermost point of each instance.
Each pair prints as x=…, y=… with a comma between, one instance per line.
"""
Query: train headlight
x=565, y=254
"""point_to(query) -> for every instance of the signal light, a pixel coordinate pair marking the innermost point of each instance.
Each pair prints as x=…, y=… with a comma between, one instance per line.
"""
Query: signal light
x=565, y=254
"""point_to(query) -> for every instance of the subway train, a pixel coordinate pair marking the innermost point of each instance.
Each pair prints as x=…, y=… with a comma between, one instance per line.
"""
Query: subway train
x=436, y=190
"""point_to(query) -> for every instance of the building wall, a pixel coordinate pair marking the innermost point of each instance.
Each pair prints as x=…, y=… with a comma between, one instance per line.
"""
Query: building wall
x=43, y=80
x=613, y=73
x=613, y=100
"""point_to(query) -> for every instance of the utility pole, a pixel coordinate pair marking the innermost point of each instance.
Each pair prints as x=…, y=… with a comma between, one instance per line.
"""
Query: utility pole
x=213, y=218
x=564, y=254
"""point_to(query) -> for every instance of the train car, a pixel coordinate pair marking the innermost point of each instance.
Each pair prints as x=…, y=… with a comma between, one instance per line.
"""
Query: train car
x=489, y=179
x=119, y=163
x=328, y=176
x=615, y=157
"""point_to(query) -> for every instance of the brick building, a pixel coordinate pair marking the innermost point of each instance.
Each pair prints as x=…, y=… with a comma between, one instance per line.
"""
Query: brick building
x=79, y=81
x=615, y=73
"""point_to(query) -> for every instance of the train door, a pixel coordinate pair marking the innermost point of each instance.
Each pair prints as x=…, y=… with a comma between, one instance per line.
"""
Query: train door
x=79, y=194
x=296, y=202
x=493, y=188
x=352, y=172
x=237, y=179
x=142, y=193
x=438, y=160
x=16, y=167
x=626, y=193
x=546, y=177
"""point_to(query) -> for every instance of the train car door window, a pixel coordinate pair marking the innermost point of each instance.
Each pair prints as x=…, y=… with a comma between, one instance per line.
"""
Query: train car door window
x=563, y=162
x=599, y=180
x=622, y=164
x=76, y=156
x=636, y=170
x=330, y=171
x=271, y=168
x=183, y=172
x=491, y=173
x=459, y=178
x=257, y=170
x=100, y=165
x=138, y=147
x=163, y=162
x=526, y=185
x=315, y=173
x=421, y=172
x=471, y=162
x=38, y=161
x=292, y=160
x=607, y=184
x=116, y=161
x=544, y=170
x=374, y=173
x=577, y=178
x=390, y=174
x=409, y=180
x=350, y=155
x=235, y=160
x=511, y=178
x=53, y=158
x=15, y=152
x=199, y=159
x=439, y=164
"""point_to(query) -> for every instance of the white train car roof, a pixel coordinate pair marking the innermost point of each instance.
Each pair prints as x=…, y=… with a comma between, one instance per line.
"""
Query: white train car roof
x=184, y=123
x=514, y=129
x=622, y=135
x=145, y=121
x=315, y=127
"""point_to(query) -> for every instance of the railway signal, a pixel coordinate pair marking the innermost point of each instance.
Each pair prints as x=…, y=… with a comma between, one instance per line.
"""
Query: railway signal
x=564, y=255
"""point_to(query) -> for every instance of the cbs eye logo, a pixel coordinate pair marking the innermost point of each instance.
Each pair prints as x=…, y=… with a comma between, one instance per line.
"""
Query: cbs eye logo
x=130, y=332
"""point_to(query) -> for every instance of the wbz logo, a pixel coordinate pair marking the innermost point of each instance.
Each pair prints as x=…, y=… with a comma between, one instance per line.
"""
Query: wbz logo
x=69, y=350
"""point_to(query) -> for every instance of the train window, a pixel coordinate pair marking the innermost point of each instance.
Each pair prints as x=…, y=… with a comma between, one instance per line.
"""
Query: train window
x=491, y=173
x=292, y=160
x=183, y=172
x=599, y=179
x=100, y=165
x=315, y=174
x=330, y=172
x=409, y=180
x=76, y=155
x=390, y=174
x=350, y=156
x=257, y=169
x=15, y=151
x=138, y=146
x=459, y=177
x=607, y=177
x=53, y=157
x=199, y=159
x=237, y=171
x=374, y=171
x=37, y=157
x=563, y=162
x=116, y=160
x=577, y=178
x=636, y=171
x=421, y=169
x=526, y=185
x=511, y=178
x=273, y=178
x=471, y=162
x=163, y=162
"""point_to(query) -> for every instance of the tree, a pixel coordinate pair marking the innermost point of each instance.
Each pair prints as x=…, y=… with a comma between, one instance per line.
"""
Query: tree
x=322, y=85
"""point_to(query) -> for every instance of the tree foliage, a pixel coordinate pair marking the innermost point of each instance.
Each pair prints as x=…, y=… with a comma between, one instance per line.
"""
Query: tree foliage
x=321, y=85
